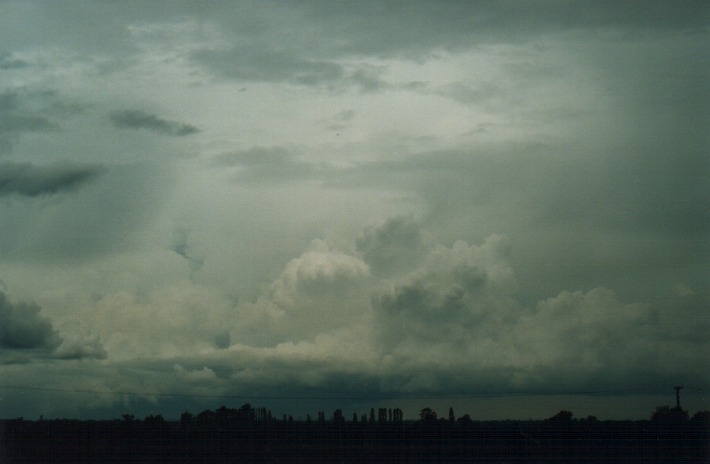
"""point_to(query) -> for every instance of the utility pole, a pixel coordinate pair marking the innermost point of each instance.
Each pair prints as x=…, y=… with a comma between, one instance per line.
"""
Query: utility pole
x=677, y=388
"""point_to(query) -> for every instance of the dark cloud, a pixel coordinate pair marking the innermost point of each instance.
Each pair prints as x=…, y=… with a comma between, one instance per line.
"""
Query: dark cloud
x=27, y=179
x=413, y=28
x=23, y=123
x=26, y=334
x=16, y=118
x=136, y=119
x=8, y=62
x=22, y=327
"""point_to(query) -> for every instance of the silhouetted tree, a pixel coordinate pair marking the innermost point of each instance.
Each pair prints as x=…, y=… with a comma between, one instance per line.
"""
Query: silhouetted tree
x=452, y=418
x=246, y=413
x=666, y=413
x=229, y=435
x=562, y=416
x=382, y=415
x=397, y=415
x=427, y=415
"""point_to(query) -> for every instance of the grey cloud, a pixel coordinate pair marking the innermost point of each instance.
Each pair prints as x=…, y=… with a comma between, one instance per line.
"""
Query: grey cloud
x=365, y=27
x=26, y=179
x=23, y=123
x=587, y=147
x=608, y=196
x=16, y=118
x=293, y=67
x=396, y=244
x=23, y=328
x=454, y=324
x=25, y=335
x=320, y=291
x=479, y=93
x=269, y=66
x=8, y=62
x=98, y=219
x=136, y=119
x=450, y=325
x=415, y=28
x=368, y=80
x=588, y=330
x=87, y=348
x=181, y=247
x=266, y=164
x=344, y=116
x=456, y=296
x=24, y=110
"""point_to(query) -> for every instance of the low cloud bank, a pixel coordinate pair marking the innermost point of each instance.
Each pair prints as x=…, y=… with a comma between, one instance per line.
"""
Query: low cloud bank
x=433, y=319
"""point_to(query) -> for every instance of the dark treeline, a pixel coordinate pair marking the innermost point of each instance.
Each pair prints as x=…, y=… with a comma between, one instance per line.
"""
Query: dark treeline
x=250, y=434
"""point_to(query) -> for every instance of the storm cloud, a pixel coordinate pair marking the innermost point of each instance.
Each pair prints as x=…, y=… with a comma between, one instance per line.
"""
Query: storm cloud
x=26, y=333
x=24, y=328
x=136, y=119
x=404, y=201
x=26, y=179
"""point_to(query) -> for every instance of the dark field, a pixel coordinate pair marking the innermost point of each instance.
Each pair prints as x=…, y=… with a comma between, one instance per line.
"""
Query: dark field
x=252, y=435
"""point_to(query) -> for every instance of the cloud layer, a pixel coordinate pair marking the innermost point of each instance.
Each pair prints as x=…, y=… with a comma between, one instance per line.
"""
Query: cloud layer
x=373, y=200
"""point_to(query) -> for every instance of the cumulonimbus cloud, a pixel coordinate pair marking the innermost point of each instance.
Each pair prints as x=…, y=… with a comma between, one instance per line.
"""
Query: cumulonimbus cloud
x=444, y=319
x=25, y=332
x=22, y=327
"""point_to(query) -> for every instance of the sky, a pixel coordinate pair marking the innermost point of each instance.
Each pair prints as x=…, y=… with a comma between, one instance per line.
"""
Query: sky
x=497, y=205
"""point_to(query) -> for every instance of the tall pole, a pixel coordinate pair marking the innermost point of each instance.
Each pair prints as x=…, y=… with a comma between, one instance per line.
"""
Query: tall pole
x=677, y=396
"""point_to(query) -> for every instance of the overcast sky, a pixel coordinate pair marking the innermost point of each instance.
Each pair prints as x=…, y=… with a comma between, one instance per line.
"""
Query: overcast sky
x=355, y=204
